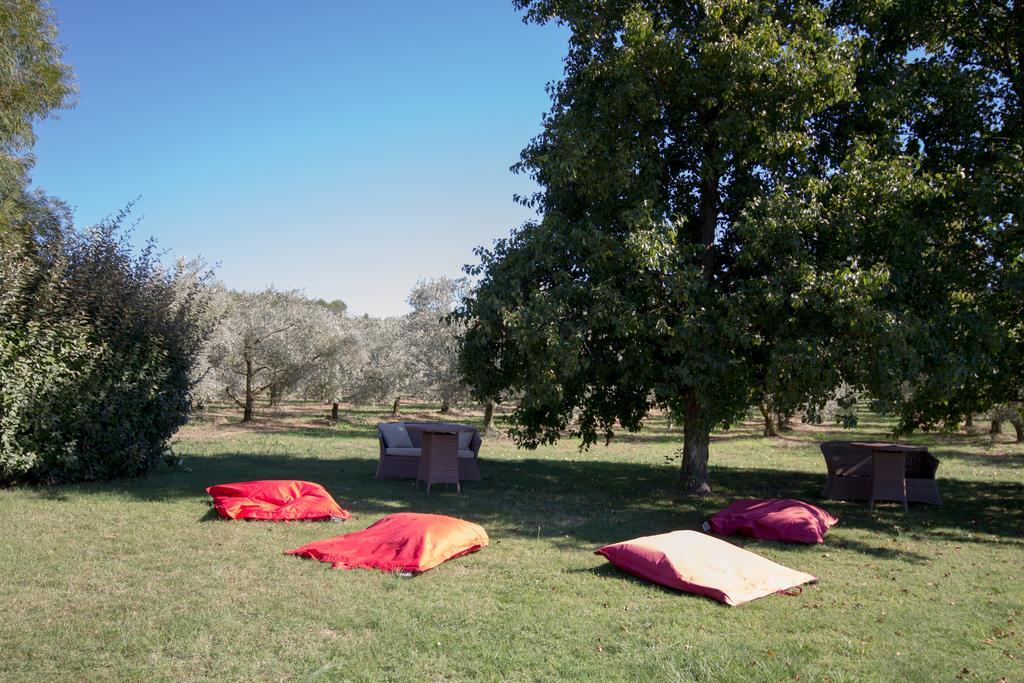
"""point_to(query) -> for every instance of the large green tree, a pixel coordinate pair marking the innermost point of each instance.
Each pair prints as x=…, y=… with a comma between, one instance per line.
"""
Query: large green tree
x=639, y=286
x=97, y=344
x=733, y=206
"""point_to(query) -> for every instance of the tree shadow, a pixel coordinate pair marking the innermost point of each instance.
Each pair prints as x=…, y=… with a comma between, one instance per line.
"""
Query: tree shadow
x=662, y=436
x=586, y=504
x=646, y=437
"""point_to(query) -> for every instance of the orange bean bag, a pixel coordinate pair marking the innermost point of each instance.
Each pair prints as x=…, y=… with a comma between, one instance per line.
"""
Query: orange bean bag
x=275, y=500
x=693, y=562
x=402, y=542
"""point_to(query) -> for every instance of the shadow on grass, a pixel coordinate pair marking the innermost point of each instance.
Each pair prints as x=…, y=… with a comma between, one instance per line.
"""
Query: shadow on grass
x=586, y=503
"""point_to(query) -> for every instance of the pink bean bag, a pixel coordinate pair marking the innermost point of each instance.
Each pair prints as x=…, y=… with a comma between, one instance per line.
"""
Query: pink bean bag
x=402, y=542
x=275, y=500
x=697, y=563
x=773, y=519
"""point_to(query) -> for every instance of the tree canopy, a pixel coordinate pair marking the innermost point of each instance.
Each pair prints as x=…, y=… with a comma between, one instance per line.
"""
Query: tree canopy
x=942, y=85
x=731, y=206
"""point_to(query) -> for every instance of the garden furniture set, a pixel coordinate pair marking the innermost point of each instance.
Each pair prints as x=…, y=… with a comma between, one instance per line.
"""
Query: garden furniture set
x=873, y=471
x=442, y=452
x=431, y=452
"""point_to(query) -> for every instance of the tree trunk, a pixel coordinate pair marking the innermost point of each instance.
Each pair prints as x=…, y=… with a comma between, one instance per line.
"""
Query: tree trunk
x=247, y=410
x=996, y=428
x=275, y=395
x=785, y=423
x=969, y=423
x=1018, y=426
x=693, y=475
x=488, y=417
x=334, y=411
x=708, y=207
x=445, y=408
x=769, y=420
x=394, y=407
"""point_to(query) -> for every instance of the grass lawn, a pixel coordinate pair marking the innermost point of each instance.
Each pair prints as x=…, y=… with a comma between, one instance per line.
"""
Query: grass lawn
x=136, y=579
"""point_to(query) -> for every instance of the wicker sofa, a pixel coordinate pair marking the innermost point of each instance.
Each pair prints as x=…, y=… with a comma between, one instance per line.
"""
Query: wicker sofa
x=398, y=462
x=850, y=470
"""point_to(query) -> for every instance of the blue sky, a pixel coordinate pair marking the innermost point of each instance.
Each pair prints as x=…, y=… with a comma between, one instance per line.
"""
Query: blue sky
x=343, y=148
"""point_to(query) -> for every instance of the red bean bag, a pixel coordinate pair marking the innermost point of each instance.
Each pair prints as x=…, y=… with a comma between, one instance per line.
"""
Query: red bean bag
x=402, y=542
x=773, y=519
x=696, y=563
x=276, y=500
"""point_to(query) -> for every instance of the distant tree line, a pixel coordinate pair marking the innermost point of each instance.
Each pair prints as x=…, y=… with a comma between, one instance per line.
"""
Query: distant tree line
x=271, y=344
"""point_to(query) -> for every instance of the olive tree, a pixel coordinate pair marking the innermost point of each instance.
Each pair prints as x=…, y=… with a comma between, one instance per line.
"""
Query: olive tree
x=434, y=339
x=386, y=369
x=1012, y=413
x=268, y=340
x=334, y=375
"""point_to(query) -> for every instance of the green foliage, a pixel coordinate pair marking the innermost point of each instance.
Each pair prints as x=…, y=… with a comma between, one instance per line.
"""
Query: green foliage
x=941, y=85
x=97, y=347
x=33, y=83
x=639, y=286
x=762, y=202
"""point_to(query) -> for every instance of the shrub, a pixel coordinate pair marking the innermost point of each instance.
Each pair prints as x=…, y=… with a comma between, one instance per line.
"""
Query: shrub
x=97, y=351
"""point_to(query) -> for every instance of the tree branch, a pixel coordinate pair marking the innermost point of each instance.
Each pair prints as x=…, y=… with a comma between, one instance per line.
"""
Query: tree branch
x=270, y=334
x=234, y=398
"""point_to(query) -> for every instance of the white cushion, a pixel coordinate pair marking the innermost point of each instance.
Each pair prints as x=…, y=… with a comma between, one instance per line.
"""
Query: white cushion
x=402, y=451
x=465, y=439
x=395, y=435
x=465, y=453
